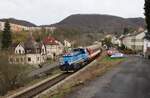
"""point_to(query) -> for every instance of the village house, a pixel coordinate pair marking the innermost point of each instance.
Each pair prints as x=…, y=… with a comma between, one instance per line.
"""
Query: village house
x=30, y=52
x=2, y=25
x=134, y=41
x=67, y=43
x=14, y=27
x=50, y=28
x=21, y=26
x=98, y=43
x=53, y=47
x=18, y=28
x=146, y=48
x=116, y=41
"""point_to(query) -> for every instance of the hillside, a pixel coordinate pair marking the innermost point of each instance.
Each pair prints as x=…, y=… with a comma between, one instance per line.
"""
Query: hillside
x=19, y=22
x=137, y=21
x=83, y=29
x=98, y=23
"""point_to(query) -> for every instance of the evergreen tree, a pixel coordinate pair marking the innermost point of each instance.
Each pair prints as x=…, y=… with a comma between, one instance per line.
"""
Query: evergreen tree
x=107, y=42
x=126, y=31
x=147, y=17
x=6, y=36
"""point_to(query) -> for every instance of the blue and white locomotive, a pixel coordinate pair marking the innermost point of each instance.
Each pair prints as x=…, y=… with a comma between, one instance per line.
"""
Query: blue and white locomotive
x=78, y=57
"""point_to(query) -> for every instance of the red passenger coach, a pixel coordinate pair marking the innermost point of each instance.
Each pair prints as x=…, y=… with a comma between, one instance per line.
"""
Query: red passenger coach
x=93, y=50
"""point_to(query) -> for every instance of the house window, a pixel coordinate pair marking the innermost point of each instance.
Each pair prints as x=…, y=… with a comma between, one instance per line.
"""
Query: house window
x=21, y=59
x=42, y=50
x=38, y=58
x=139, y=40
x=139, y=47
x=133, y=40
x=29, y=59
x=133, y=46
x=11, y=60
x=17, y=60
x=29, y=51
x=37, y=50
x=19, y=51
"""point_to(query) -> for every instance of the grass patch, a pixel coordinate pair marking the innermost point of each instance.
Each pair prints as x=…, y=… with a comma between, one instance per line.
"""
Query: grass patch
x=109, y=59
x=61, y=94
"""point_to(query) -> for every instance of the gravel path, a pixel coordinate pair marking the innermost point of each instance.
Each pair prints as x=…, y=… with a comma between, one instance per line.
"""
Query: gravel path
x=130, y=80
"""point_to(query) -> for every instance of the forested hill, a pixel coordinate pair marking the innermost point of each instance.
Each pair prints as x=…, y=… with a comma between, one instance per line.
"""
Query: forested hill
x=18, y=22
x=98, y=23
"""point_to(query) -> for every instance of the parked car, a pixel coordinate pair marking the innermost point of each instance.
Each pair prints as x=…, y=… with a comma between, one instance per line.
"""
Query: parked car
x=117, y=55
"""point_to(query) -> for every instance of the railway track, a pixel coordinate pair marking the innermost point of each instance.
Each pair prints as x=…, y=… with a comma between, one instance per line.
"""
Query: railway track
x=42, y=86
x=33, y=91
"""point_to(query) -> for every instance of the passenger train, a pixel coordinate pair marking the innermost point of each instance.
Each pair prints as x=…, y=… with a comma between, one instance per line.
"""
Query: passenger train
x=79, y=57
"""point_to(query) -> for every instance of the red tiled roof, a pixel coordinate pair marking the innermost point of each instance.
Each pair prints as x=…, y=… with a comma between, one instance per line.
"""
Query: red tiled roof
x=50, y=41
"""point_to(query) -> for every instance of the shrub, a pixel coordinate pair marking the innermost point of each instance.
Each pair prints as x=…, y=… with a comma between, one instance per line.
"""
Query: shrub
x=11, y=76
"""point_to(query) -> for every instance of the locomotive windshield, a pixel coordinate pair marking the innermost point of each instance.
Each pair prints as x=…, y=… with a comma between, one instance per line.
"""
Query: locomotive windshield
x=81, y=50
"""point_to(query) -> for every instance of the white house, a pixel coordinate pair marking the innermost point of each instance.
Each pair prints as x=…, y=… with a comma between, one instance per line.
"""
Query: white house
x=116, y=41
x=2, y=25
x=20, y=49
x=98, y=43
x=53, y=47
x=14, y=27
x=67, y=43
x=134, y=41
x=146, y=48
x=29, y=52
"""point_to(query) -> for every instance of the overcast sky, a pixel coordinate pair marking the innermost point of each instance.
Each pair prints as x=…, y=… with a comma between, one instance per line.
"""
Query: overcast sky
x=52, y=11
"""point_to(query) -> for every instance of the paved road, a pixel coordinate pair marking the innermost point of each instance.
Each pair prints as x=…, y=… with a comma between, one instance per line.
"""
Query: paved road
x=130, y=80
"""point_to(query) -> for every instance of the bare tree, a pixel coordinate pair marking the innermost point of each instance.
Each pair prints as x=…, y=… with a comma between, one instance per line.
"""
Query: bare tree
x=11, y=76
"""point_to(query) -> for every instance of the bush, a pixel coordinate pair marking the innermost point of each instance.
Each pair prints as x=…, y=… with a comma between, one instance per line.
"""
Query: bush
x=11, y=76
x=128, y=51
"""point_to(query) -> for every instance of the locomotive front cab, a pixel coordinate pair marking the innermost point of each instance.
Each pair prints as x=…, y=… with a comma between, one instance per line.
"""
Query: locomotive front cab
x=83, y=53
x=65, y=62
x=73, y=60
